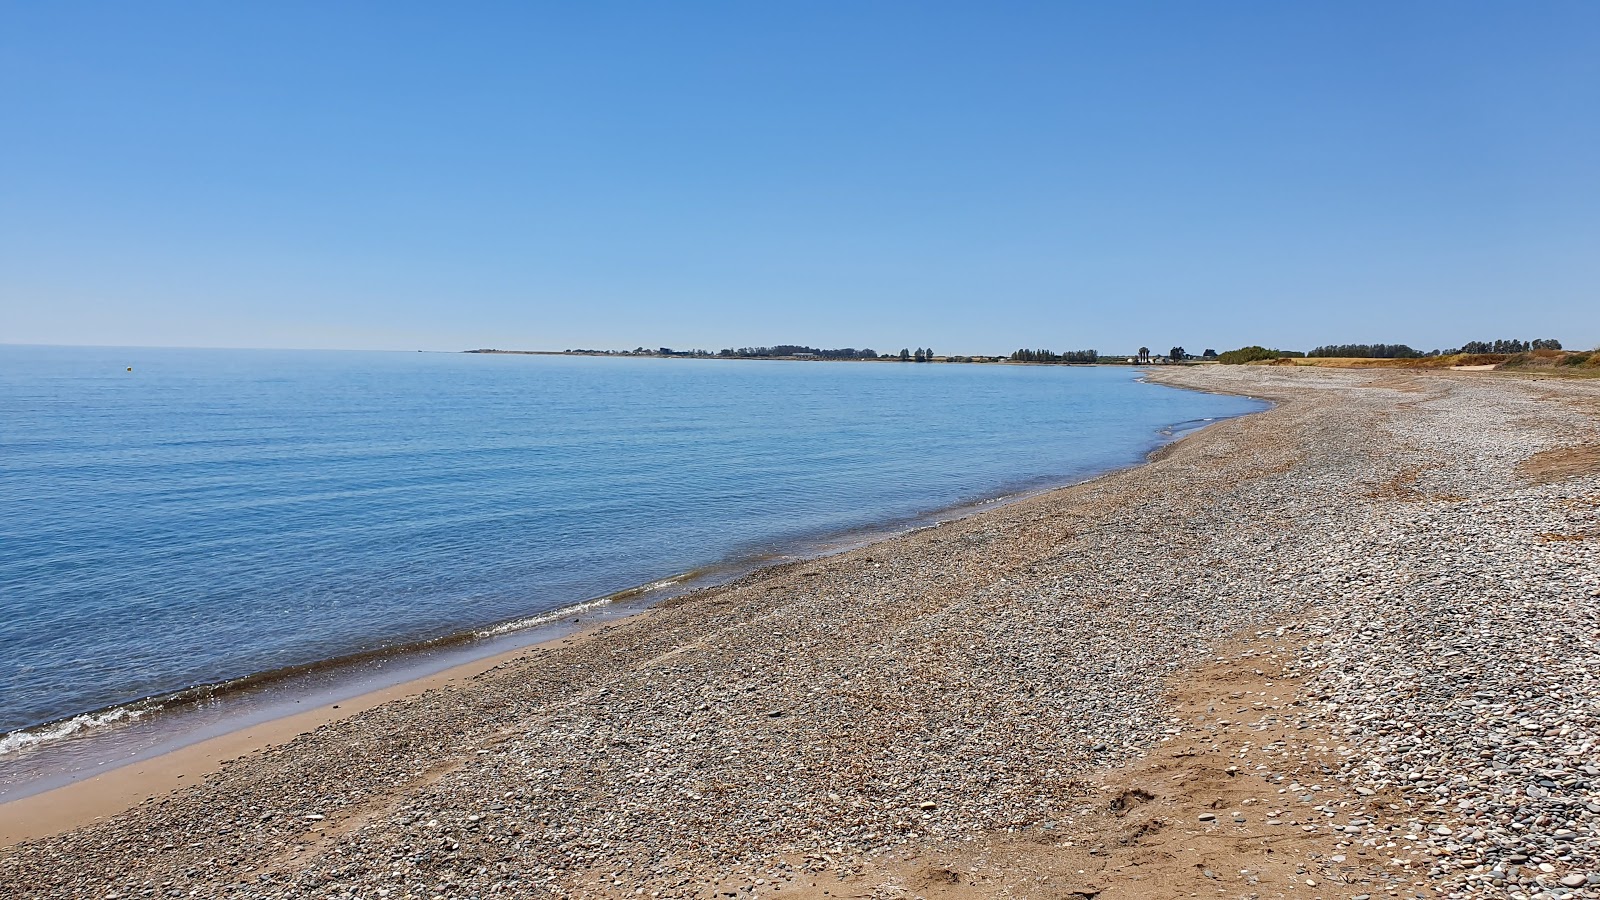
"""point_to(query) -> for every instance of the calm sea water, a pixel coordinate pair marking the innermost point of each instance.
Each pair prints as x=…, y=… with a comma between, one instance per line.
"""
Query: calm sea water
x=213, y=514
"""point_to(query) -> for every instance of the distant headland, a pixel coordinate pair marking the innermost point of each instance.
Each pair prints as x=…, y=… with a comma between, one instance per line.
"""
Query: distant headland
x=803, y=353
x=1543, y=354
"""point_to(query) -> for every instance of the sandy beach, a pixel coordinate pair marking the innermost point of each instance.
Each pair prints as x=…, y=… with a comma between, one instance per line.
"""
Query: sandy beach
x=1347, y=647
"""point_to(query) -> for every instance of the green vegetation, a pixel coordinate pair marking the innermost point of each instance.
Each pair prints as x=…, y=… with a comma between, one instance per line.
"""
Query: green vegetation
x=1545, y=358
x=1541, y=354
x=1048, y=356
x=1367, y=351
x=782, y=350
x=1254, y=353
x=1506, y=346
x=1482, y=352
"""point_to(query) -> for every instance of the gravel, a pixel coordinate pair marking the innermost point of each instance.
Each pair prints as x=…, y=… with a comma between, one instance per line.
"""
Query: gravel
x=1459, y=646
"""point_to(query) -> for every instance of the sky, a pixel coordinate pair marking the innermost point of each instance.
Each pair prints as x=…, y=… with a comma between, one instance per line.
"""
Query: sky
x=973, y=177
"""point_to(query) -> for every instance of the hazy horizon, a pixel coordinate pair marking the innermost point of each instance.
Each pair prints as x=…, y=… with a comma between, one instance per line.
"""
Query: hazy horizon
x=884, y=350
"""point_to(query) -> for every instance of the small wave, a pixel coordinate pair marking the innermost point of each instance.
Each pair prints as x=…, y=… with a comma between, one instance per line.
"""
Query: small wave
x=24, y=739
x=563, y=612
x=27, y=738
x=556, y=615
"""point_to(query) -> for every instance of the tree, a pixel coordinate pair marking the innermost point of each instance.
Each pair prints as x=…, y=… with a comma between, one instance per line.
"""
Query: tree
x=1252, y=353
x=904, y=354
x=1367, y=351
x=1176, y=354
x=1506, y=346
x=930, y=354
x=1209, y=354
x=1144, y=354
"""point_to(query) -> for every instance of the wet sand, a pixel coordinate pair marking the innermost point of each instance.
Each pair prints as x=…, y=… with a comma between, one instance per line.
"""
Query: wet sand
x=90, y=800
x=1163, y=683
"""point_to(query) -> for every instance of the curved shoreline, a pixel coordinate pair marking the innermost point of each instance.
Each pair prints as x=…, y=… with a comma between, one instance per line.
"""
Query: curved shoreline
x=182, y=749
x=93, y=797
x=1228, y=671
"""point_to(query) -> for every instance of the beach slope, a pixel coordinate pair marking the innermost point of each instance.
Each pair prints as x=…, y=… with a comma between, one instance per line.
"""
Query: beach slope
x=1346, y=646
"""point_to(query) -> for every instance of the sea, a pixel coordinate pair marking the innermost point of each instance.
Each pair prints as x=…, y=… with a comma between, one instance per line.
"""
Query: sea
x=174, y=522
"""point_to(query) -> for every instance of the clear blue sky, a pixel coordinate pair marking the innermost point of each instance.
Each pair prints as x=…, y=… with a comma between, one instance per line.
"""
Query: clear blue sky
x=975, y=177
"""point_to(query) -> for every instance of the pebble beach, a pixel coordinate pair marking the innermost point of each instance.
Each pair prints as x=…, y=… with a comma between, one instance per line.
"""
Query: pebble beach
x=1348, y=647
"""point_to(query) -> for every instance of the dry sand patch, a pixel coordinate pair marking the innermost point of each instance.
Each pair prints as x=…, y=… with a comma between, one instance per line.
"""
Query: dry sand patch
x=1564, y=462
x=1236, y=802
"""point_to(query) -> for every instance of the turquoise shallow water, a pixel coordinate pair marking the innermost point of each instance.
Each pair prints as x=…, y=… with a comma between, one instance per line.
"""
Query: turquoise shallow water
x=214, y=514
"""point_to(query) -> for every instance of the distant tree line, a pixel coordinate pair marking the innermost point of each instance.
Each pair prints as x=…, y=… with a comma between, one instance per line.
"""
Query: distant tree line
x=1254, y=353
x=1505, y=346
x=921, y=354
x=639, y=351
x=798, y=350
x=1257, y=353
x=1402, y=351
x=1367, y=351
x=776, y=351
x=1049, y=356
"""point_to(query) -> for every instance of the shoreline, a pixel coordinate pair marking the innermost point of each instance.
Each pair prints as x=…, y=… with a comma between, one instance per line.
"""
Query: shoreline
x=1123, y=362
x=260, y=698
x=1229, y=670
x=188, y=752
x=87, y=800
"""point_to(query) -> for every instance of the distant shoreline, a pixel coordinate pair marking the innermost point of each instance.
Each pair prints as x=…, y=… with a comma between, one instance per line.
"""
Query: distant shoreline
x=955, y=360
